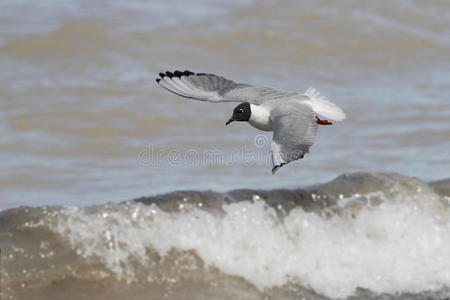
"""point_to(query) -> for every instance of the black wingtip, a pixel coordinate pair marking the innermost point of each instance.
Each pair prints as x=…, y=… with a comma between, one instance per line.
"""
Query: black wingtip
x=158, y=80
x=276, y=168
x=205, y=74
x=178, y=73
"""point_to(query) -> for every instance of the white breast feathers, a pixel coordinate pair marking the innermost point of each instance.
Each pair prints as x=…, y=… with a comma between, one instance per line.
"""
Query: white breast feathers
x=260, y=118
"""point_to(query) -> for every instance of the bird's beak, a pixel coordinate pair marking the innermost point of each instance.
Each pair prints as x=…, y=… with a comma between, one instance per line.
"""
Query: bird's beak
x=229, y=121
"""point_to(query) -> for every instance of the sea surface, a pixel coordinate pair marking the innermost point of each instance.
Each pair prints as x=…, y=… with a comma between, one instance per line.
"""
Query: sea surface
x=113, y=188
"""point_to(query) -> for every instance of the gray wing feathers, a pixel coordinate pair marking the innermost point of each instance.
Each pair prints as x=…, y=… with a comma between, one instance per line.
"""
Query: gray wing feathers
x=294, y=132
x=257, y=94
x=203, y=87
x=213, y=88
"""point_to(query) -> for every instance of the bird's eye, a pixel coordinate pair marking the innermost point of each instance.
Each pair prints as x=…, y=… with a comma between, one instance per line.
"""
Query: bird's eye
x=240, y=111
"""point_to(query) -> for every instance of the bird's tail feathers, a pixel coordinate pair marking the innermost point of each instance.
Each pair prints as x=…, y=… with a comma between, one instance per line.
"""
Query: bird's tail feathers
x=324, y=107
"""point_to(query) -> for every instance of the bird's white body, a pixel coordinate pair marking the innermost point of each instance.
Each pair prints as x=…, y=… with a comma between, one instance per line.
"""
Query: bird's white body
x=260, y=117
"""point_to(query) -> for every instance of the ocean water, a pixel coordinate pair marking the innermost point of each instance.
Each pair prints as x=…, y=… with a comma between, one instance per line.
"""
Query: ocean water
x=360, y=236
x=85, y=129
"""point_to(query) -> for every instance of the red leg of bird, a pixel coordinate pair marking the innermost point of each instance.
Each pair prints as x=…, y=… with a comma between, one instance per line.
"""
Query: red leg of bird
x=323, y=122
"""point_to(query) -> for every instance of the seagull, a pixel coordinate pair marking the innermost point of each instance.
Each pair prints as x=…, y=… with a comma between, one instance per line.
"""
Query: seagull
x=293, y=117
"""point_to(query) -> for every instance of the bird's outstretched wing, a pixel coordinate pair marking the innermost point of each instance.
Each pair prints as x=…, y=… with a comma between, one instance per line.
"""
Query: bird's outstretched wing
x=294, y=131
x=213, y=88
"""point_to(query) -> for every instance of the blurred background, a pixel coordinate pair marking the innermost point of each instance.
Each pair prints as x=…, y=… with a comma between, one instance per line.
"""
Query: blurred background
x=83, y=123
x=82, y=120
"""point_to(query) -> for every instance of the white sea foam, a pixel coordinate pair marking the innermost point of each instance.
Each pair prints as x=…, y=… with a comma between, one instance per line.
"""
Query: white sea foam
x=394, y=247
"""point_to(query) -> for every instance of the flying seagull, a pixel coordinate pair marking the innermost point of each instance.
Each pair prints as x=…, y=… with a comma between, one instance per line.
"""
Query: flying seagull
x=291, y=116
